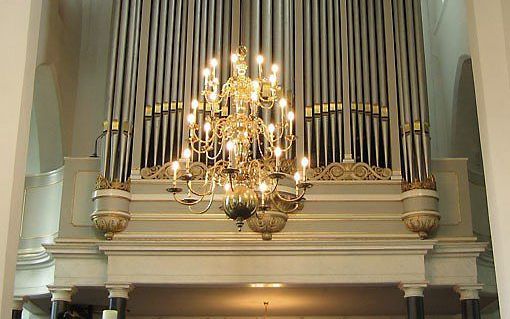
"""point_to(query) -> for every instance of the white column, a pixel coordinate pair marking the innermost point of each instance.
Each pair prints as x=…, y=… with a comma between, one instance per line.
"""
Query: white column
x=489, y=28
x=19, y=31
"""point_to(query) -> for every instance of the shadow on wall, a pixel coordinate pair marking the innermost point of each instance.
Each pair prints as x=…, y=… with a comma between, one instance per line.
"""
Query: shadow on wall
x=45, y=143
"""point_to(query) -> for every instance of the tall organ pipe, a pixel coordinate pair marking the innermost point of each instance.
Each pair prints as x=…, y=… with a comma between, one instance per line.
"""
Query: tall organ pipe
x=332, y=82
x=424, y=110
x=415, y=103
x=352, y=81
x=383, y=99
x=316, y=80
x=359, y=79
x=111, y=87
x=167, y=100
x=374, y=93
x=125, y=124
x=180, y=83
x=404, y=79
x=324, y=80
x=309, y=102
x=117, y=102
x=365, y=66
x=132, y=98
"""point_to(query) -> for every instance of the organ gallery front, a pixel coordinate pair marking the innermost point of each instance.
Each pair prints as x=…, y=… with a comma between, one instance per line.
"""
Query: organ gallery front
x=333, y=184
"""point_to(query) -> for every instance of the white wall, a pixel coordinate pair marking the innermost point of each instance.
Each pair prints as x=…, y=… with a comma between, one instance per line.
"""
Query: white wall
x=19, y=25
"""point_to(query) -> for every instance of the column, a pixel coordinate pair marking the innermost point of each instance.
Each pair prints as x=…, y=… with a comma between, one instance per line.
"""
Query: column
x=118, y=296
x=17, y=307
x=413, y=294
x=19, y=32
x=470, y=301
x=60, y=300
x=488, y=23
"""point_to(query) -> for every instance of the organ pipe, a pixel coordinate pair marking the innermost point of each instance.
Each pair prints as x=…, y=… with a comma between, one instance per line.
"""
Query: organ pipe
x=356, y=85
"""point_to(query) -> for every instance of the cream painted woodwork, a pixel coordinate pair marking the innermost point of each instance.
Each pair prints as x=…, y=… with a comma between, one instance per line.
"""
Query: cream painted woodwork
x=349, y=232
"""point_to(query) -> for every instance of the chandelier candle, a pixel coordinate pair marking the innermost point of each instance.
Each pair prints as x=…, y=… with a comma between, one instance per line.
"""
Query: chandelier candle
x=251, y=170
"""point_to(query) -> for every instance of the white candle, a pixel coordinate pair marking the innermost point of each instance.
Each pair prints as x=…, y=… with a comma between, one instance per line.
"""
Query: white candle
x=109, y=314
x=207, y=72
x=277, y=154
x=290, y=117
x=297, y=178
x=214, y=64
x=187, y=155
x=304, y=164
x=175, y=167
x=194, y=106
x=260, y=59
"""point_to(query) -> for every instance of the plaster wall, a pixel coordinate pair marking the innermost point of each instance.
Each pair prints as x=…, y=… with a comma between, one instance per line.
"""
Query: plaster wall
x=19, y=25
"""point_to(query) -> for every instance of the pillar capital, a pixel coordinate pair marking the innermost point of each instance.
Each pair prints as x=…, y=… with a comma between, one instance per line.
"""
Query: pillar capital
x=468, y=292
x=413, y=289
x=61, y=293
x=119, y=290
x=17, y=303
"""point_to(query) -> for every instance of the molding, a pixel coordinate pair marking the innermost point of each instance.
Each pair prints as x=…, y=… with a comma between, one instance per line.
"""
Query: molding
x=468, y=292
x=256, y=247
x=61, y=293
x=29, y=258
x=413, y=289
x=119, y=290
x=44, y=179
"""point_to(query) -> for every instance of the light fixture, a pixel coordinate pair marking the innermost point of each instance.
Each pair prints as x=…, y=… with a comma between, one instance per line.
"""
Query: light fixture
x=251, y=179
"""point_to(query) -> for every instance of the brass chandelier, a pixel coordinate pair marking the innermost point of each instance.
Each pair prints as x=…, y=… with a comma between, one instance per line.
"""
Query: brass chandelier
x=243, y=152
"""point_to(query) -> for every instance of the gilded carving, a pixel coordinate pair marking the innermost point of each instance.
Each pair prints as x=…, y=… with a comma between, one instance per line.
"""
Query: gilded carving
x=332, y=172
x=103, y=183
x=349, y=171
x=428, y=183
x=110, y=222
x=421, y=223
x=267, y=223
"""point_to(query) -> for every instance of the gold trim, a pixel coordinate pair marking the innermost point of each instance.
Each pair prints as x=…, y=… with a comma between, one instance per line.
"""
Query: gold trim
x=428, y=183
x=103, y=183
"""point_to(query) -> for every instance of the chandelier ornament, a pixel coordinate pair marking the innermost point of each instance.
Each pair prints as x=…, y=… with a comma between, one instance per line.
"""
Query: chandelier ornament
x=243, y=152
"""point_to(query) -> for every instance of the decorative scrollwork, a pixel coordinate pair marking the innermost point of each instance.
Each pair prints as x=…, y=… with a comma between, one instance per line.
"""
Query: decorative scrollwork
x=197, y=169
x=349, y=171
x=428, y=183
x=103, y=183
x=332, y=172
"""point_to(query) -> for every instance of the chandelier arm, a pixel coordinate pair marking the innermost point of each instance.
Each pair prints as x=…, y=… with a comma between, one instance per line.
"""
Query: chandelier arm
x=295, y=208
x=197, y=193
x=209, y=204
x=187, y=203
x=291, y=200
x=217, y=154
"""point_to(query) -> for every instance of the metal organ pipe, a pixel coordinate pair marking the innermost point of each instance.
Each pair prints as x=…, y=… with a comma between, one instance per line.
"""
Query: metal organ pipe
x=324, y=80
x=309, y=101
x=125, y=124
x=117, y=101
x=424, y=104
x=374, y=88
x=381, y=69
x=357, y=62
x=111, y=86
x=332, y=80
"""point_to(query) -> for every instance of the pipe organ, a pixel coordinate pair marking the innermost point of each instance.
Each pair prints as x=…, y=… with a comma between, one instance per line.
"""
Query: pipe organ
x=352, y=70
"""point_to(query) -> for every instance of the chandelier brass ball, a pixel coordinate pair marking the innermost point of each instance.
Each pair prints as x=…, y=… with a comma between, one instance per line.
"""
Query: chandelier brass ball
x=240, y=203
